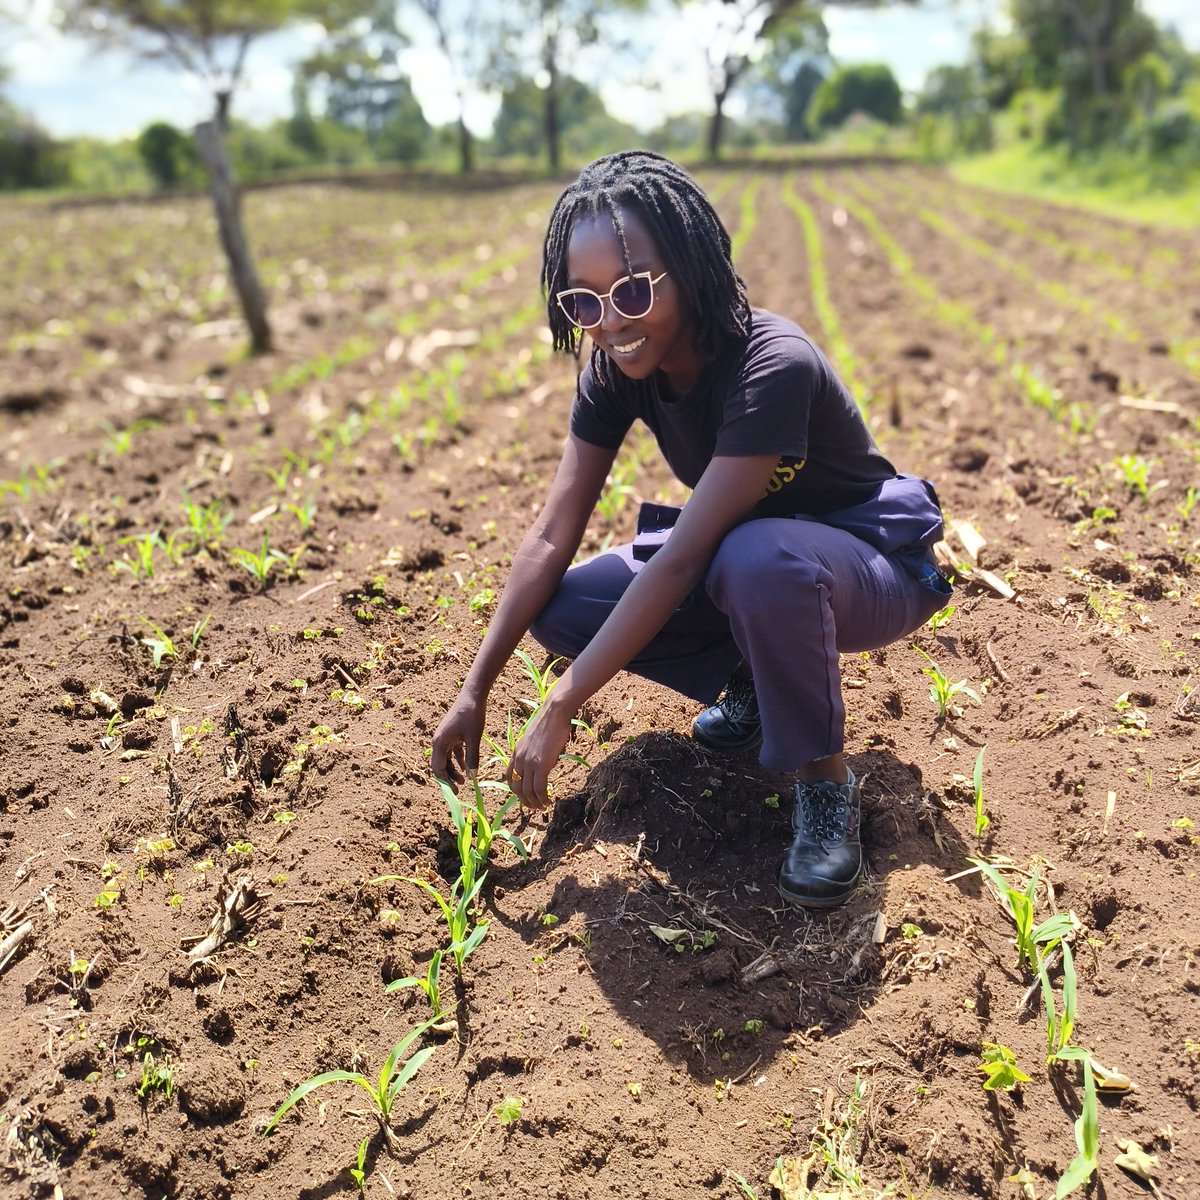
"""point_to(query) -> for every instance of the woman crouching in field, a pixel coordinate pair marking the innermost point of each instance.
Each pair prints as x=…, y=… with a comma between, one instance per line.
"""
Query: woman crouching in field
x=799, y=540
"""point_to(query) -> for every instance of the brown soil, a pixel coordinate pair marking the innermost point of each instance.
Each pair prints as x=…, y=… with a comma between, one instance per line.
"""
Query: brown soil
x=422, y=413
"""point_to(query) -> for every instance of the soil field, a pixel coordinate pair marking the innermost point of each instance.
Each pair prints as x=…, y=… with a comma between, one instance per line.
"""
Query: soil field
x=238, y=594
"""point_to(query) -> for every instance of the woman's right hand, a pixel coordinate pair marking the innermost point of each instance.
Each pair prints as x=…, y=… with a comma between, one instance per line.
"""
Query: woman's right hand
x=456, y=740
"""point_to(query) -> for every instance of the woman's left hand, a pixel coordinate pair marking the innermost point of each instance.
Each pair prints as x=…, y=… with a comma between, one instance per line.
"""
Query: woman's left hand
x=537, y=754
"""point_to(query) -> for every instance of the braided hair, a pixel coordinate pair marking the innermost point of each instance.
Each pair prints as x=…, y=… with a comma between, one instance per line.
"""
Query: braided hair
x=684, y=225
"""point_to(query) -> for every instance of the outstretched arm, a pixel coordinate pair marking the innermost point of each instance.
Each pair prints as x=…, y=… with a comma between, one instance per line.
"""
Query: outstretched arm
x=537, y=568
x=728, y=490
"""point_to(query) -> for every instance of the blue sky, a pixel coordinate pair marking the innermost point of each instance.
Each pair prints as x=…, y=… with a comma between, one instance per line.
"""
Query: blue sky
x=72, y=90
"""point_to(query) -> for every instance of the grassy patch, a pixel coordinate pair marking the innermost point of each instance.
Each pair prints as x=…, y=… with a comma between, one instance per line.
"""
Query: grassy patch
x=1119, y=185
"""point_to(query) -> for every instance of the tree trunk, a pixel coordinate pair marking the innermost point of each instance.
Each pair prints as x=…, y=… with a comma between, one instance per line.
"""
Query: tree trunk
x=233, y=237
x=466, y=148
x=716, y=125
x=551, y=117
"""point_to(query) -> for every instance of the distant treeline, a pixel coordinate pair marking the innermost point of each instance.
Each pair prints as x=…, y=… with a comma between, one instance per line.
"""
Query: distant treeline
x=1060, y=76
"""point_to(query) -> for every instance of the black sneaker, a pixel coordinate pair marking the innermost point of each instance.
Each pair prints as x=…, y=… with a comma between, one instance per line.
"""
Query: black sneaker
x=825, y=859
x=733, y=722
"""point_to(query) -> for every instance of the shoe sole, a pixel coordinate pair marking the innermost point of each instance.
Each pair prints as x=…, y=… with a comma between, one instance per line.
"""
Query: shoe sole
x=818, y=902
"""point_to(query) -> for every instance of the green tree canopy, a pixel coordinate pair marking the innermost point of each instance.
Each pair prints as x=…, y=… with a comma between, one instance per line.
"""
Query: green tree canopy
x=169, y=154
x=588, y=128
x=868, y=88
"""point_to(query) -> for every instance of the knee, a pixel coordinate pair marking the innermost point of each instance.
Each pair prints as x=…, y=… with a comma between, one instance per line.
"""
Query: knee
x=554, y=628
x=755, y=565
x=580, y=605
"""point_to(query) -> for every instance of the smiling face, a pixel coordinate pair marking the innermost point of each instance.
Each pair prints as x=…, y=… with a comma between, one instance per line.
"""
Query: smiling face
x=659, y=341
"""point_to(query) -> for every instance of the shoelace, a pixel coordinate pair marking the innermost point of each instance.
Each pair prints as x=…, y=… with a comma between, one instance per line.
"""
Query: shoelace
x=822, y=810
x=738, y=700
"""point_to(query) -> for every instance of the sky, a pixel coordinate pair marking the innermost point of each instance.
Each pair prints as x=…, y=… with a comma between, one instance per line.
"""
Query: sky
x=72, y=90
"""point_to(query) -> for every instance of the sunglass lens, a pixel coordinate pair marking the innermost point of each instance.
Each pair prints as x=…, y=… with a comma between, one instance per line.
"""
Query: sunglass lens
x=582, y=307
x=632, y=297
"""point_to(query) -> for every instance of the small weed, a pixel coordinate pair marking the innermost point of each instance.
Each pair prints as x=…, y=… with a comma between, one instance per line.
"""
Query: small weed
x=508, y=1111
x=156, y=1076
x=999, y=1066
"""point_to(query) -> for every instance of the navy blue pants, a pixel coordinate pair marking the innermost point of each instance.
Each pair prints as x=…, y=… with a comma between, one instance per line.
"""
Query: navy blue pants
x=787, y=595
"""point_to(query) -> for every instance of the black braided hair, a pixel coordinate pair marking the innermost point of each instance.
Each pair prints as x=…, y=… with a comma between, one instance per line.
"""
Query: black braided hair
x=686, y=228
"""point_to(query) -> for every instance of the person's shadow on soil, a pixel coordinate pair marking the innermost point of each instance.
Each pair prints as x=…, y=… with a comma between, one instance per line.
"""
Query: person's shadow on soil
x=670, y=894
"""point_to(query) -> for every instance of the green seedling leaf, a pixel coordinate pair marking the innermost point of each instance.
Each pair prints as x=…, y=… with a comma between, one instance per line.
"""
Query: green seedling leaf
x=309, y=1086
x=982, y=820
x=999, y=1066
x=1087, y=1137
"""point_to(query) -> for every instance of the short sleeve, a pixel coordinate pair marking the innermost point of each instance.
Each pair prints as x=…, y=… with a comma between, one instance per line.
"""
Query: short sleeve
x=770, y=403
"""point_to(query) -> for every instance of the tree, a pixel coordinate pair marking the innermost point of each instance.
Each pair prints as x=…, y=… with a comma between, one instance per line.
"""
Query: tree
x=741, y=33
x=588, y=128
x=956, y=93
x=1085, y=48
x=738, y=32
x=552, y=32
x=209, y=39
x=365, y=90
x=460, y=42
x=29, y=156
x=169, y=154
x=868, y=88
x=794, y=66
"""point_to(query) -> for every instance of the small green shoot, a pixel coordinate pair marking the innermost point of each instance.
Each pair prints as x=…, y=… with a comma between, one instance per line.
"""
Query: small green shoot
x=999, y=1066
x=1020, y=907
x=982, y=820
x=205, y=522
x=941, y=618
x=1135, y=471
x=198, y=631
x=261, y=564
x=1087, y=1134
x=941, y=690
x=359, y=1171
x=305, y=513
x=508, y=1111
x=1189, y=503
x=160, y=645
x=393, y=1079
x=141, y=564
x=156, y=1076
x=430, y=984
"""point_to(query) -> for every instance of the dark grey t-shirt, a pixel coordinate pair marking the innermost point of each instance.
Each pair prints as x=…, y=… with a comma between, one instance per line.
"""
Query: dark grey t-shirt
x=773, y=393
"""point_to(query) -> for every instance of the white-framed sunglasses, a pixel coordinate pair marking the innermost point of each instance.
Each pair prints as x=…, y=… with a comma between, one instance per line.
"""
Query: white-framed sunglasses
x=632, y=297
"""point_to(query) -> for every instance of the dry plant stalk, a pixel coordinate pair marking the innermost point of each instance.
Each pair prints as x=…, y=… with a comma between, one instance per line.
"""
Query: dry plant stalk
x=236, y=906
